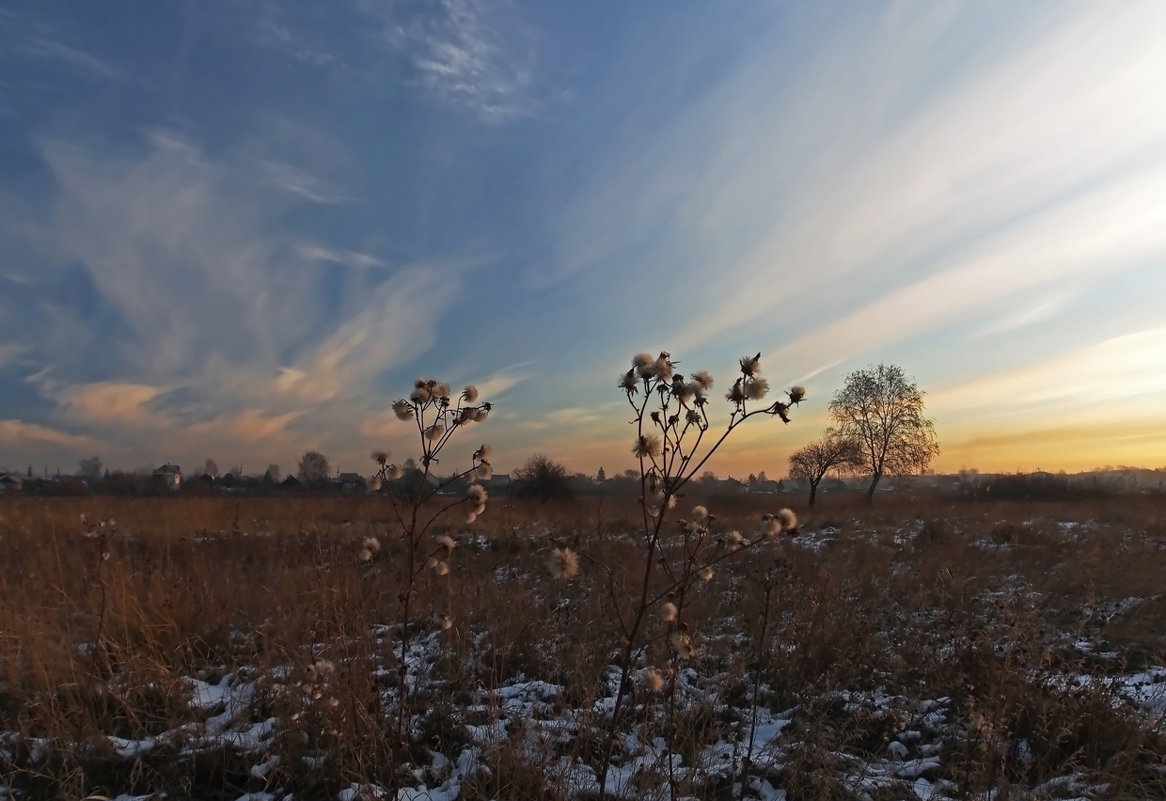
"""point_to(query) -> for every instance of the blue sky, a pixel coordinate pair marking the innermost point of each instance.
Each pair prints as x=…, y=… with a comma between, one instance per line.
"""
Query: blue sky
x=239, y=230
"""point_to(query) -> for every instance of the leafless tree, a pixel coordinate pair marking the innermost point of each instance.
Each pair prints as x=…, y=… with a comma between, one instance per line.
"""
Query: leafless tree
x=833, y=450
x=314, y=467
x=883, y=410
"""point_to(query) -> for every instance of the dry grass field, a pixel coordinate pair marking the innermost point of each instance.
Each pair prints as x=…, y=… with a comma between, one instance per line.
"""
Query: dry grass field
x=229, y=648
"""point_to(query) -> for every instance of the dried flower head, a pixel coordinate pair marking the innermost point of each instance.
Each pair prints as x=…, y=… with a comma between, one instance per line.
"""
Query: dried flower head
x=781, y=410
x=381, y=457
x=629, y=382
x=403, y=409
x=700, y=514
x=372, y=543
x=703, y=379
x=395, y=472
x=434, y=432
x=439, y=567
x=443, y=622
x=477, y=494
x=736, y=393
x=669, y=611
x=483, y=471
x=681, y=644
x=421, y=393
x=734, y=539
x=643, y=364
x=787, y=519
x=647, y=446
x=797, y=393
x=563, y=563
x=653, y=680
x=757, y=388
x=471, y=517
x=482, y=454
x=365, y=555
x=751, y=365
x=770, y=526
x=470, y=393
x=707, y=574
x=447, y=542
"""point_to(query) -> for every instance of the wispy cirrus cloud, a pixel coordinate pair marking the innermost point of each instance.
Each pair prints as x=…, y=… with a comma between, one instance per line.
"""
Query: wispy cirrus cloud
x=473, y=53
x=341, y=256
x=845, y=187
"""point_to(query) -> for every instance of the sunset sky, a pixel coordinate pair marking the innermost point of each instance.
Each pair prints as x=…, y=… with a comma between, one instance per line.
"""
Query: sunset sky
x=239, y=230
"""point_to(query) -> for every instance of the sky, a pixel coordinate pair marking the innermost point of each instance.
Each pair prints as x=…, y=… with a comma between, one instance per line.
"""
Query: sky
x=240, y=230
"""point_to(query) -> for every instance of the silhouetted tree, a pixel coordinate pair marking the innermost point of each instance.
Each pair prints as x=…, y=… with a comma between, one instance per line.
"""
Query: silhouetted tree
x=812, y=462
x=90, y=468
x=883, y=410
x=210, y=468
x=272, y=474
x=313, y=468
x=543, y=478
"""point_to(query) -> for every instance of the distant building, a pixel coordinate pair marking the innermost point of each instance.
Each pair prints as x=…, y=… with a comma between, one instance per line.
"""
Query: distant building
x=351, y=482
x=11, y=482
x=169, y=476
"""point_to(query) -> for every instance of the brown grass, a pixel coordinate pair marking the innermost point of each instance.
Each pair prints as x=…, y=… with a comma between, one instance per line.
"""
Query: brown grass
x=974, y=603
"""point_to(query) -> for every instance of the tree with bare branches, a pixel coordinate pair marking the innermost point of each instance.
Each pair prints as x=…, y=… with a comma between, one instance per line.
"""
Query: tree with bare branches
x=883, y=410
x=812, y=462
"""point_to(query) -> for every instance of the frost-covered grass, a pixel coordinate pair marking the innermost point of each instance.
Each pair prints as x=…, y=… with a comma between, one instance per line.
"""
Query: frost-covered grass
x=239, y=648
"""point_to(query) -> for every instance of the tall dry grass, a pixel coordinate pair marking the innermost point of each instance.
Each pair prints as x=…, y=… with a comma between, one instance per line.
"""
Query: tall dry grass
x=934, y=599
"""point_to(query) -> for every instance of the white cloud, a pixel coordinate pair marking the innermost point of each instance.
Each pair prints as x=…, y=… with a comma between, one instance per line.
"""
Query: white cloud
x=22, y=433
x=469, y=52
x=1124, y=371
x=341, y=256
x=11, y=352
x=767, y=202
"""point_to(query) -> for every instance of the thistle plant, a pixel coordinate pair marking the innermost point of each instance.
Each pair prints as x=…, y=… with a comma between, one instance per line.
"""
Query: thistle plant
x=438, y=415
x=674, y=440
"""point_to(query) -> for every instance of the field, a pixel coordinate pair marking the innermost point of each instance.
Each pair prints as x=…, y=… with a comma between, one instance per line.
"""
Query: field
x=230, y=648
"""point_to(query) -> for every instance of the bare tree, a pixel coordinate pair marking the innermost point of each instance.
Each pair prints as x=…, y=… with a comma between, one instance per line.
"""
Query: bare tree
x=90, y=468
x=833, y=450
x=211, y=468
x=272, y=474
x=543, y=478
x=314, y=467
x=883, y=410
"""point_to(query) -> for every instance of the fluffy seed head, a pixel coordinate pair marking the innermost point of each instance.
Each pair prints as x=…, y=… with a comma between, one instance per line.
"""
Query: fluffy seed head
x=482, y=453
x=681, y=644
x=751, y=365
x=797, y=393
x=707, y=574
x=563, y=563
x=470, y=393
x=669, y=611
x=654, y=680
x=703, y=379
x=700, y=514
x=403, y=409
x=372, y=543
x=647, y=446
x=434, y=432
x=439, y=567
x=757, y=388
x=380, y=457
x=787, y=519
x=628, y=382
x=477, y=494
